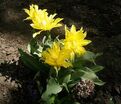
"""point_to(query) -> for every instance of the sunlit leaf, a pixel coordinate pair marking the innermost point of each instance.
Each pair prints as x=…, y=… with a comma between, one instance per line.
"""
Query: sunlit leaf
x=52, y=88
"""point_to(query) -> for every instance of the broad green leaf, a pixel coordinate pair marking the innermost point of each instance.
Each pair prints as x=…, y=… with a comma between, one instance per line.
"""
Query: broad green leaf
x=89, y=74
x=78, y=62
x=67, y=78
x=90, y=56
x=32, y=62
x=97, y=68
x=52, y=88
x=99, y=82
x=77, y=75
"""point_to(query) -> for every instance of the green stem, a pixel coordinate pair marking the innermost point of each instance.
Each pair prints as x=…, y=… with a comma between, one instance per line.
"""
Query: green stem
x=49, y=35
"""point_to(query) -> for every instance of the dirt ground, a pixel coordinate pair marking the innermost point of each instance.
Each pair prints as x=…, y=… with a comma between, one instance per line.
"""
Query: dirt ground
x=100, y=18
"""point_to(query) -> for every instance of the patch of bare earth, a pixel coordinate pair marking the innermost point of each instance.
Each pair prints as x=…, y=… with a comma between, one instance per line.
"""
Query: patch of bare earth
x=9, y=44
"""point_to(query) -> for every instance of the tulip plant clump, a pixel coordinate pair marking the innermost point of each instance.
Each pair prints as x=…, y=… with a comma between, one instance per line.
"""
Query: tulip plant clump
x=66, y=71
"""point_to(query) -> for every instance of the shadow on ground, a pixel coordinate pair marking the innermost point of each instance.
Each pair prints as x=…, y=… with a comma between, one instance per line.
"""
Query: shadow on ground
x=18, y=85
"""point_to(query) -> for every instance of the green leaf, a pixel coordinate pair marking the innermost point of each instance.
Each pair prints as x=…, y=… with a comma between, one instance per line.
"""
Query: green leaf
x=99, y=54
x=32, y=46
x=88, y=74
x=66, y=87
x=78, y=62
x=51, y=99
x=97, y=68
x=77, y=75
x=73, y=83
x=99, y=82
x=63, y=74
x=67, y=78
x=52, y=88
x=75, y=78
x=90, y=56
x=47, y=41
x=32, y=62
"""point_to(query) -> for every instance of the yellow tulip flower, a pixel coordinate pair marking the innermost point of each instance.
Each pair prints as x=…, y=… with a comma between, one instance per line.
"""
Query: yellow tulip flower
x=40, y=19
x=57, y=57
x=75, y=40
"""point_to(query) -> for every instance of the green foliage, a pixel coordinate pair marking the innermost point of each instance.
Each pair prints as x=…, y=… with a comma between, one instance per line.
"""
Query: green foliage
x=66, y=78
x=33, y=62
x=30, y=61
x=53, y=88
x=89, y=74
x=34, y=48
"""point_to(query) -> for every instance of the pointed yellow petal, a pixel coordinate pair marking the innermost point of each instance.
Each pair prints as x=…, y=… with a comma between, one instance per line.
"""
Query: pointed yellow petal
x=73, y=29
x=36, y=7
x=85, y=42
x=26, y=10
